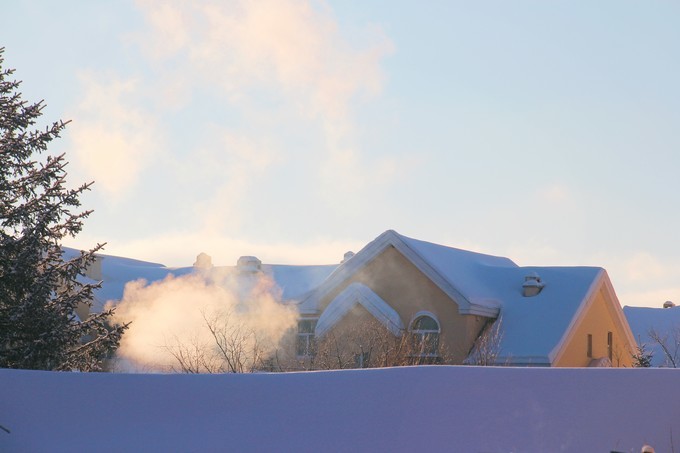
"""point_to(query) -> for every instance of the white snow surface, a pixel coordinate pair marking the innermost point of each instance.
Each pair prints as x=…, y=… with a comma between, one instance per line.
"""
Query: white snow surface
x=436, y=408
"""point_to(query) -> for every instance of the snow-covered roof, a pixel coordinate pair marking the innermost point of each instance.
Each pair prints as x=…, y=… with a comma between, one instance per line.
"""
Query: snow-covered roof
x=118, y=271
x=533, y=328
x=664, y=321
x=292, y=281
x=297, y=281
x=443, y=265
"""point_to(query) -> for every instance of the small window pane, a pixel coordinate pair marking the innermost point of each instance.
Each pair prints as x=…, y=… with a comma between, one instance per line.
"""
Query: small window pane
x=306, y=326
x=301, y=346
x=425, y=323
x=425, y=336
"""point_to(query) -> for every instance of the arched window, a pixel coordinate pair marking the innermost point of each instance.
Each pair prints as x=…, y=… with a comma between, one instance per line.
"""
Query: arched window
x=425, y=336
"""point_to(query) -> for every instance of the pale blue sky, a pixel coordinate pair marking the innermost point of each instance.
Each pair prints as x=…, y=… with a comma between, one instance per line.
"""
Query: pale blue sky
x=542, y=131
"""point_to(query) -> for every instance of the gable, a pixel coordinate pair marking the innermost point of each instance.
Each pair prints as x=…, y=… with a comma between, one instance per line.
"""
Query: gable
x=358, y=294
x=599, y=314
x=456, y=272
x=406, y=290
x=534, y=328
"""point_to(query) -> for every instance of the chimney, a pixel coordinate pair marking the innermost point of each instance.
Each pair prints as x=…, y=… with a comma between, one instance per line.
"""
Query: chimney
x=347, y=256
x=532, y=285
x=203, y=261
x=248, y=264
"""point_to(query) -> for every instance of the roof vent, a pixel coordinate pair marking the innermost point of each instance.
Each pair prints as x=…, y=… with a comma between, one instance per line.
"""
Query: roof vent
x=203, y=261
x=248, y=264
x=668, y=304
x=347, y=256
x=532, y=285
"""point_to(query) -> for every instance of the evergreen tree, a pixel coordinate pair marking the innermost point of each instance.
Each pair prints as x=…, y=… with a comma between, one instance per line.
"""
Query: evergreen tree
x=642, y=358
x=39, y=287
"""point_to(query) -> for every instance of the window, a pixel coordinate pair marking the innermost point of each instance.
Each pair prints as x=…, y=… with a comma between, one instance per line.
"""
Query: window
x=590, y=345
x=361, y=360
x=305, y=338
x=425, y=336
x=610, y=344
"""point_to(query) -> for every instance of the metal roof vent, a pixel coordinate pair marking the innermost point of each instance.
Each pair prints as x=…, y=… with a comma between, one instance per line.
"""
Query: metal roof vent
x=347, y=256
x=532, y=285
x=248, y=264
x=668, y=304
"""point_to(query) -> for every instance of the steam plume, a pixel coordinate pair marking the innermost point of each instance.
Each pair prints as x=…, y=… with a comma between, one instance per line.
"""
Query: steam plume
x=175, y=312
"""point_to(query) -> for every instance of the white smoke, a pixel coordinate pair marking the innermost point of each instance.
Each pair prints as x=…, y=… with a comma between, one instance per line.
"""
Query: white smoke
x=172, y=316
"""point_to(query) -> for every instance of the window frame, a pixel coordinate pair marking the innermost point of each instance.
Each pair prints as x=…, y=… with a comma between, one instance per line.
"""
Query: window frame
x=308, y=338
x=422, y=335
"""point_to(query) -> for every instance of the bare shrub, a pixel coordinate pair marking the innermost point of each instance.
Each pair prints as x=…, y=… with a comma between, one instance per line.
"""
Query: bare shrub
x=233, y=347
x=368, y=344
x=487, y=346
x=670, y=345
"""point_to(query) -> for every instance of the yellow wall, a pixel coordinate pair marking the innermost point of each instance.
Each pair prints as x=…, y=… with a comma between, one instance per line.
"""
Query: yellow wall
x=597, y=321
x=407, y=290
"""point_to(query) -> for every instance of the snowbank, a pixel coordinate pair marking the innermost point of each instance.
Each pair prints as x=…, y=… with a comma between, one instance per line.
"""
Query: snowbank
x=418, y=408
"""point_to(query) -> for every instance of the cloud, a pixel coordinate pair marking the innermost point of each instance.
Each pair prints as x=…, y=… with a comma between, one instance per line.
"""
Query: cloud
x=245, y=111
x=265, y=58
x=284, y=45
x=556, y=193
x=179, y=248
x=641, y=278
x=112, y=138
x=242, y=162
x=644, y=267
x=650, y=297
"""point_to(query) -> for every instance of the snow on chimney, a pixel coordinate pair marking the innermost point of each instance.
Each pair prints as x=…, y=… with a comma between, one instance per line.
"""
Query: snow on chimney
x=248, y=264
x=347, y=256
x=203, y=261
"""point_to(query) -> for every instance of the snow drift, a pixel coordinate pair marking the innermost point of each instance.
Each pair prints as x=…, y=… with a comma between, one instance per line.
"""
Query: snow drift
x=416, y=408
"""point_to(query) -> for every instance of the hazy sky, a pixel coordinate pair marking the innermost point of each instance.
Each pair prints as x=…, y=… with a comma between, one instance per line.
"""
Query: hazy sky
x=548, y=132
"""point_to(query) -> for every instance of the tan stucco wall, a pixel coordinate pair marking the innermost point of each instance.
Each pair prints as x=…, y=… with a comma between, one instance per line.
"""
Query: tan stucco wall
x=598, y=320
x=408, y=291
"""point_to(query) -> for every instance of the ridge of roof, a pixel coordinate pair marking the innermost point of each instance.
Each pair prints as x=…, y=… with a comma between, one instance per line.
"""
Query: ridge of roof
x=426, y=257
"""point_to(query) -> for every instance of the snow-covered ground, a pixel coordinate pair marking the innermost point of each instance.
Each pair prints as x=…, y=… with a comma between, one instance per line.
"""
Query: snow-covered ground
x=435, y=408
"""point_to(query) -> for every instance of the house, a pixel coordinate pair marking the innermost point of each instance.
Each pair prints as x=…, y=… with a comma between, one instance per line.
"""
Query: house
x=550, y=316
x=446, y=303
